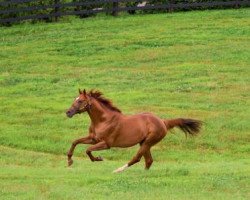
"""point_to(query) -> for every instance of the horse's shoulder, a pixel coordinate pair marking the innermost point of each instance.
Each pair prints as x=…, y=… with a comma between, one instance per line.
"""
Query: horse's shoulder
x=91, y=128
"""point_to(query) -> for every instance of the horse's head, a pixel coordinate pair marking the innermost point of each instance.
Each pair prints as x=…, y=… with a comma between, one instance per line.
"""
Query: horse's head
x=80, y=104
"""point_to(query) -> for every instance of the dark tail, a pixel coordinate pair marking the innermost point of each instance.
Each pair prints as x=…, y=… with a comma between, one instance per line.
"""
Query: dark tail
x=188, y=126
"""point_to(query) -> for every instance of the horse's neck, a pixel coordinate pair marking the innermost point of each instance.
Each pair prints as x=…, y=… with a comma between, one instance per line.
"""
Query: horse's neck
x=98, y=113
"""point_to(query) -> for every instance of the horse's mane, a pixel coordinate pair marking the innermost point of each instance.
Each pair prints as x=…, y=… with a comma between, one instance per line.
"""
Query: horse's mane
x=99, y=97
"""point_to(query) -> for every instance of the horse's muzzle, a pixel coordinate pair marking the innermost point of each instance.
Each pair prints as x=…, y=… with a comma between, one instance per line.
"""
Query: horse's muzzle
x=70, y=113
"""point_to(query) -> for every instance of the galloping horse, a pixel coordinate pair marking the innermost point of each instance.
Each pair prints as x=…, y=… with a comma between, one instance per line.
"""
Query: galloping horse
x=110, y=128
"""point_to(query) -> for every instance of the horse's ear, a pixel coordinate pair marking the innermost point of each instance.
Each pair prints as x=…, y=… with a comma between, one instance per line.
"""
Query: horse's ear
x=84, y=92
x=80, y=92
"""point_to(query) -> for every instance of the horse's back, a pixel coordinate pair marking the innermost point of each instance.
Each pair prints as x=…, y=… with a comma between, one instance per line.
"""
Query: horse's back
x=133, y=129
x=149, y=121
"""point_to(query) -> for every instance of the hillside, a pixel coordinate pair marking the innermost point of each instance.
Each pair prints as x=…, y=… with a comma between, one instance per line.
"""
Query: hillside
x=193, y=64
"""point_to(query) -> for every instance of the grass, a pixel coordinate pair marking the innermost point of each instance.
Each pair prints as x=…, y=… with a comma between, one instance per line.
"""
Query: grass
x=193, y=64
x=45, y=176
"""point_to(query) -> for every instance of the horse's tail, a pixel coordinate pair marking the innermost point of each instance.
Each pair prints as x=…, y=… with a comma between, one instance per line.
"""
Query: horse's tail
x=188, y=126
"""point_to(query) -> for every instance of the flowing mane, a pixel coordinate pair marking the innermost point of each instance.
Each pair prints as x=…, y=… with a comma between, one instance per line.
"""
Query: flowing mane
x=99, y=97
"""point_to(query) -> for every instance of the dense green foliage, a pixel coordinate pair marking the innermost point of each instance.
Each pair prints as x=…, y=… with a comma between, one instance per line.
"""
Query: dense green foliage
x=38, y=10
x=25, y=5
x=193, y=64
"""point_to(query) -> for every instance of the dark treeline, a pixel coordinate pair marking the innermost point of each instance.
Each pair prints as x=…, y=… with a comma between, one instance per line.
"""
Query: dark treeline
x=14, y=11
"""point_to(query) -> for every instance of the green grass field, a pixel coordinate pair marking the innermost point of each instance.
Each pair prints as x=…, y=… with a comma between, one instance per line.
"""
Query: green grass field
x=187, y=64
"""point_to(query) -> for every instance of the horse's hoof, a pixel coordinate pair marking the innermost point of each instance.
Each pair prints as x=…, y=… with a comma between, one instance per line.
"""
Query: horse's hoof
x=120, y=169
x=99, y=158
x=70, y=162
x=117, y=171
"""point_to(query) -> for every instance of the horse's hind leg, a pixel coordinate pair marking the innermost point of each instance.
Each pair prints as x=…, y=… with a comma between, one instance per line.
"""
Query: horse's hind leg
x=148, y=159
x=143, y=149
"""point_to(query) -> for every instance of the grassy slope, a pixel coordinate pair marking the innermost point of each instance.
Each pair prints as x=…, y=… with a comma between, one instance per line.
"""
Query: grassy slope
x=193, y=64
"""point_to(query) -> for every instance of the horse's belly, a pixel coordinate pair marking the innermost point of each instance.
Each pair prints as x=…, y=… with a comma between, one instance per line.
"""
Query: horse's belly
x=125, y=142
x=130, y=136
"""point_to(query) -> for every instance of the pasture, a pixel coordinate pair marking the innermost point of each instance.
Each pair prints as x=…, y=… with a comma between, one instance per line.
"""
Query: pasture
x=193, y=64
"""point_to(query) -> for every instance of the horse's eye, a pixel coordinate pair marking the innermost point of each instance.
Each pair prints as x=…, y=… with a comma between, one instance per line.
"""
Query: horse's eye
x=80, y=101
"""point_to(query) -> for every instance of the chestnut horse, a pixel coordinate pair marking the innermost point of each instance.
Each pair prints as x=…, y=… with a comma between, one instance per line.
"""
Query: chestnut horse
x=110, y=128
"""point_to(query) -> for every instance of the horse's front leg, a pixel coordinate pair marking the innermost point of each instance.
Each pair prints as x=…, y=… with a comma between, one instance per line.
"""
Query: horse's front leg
x=97, y=147
x=86, y=140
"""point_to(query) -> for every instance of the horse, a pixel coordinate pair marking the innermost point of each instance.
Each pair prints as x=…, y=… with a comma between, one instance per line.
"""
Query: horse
x=110, y=128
